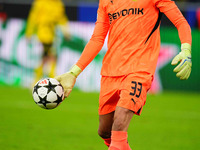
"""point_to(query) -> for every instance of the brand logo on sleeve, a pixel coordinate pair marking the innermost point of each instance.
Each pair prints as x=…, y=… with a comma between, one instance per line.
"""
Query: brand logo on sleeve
x=125, y=12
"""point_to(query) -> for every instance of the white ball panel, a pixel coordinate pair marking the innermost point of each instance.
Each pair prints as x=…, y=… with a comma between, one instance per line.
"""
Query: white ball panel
x=35, y=97
x=42, y=92
x=59, y=90
x=54, y=81
x=51, y=97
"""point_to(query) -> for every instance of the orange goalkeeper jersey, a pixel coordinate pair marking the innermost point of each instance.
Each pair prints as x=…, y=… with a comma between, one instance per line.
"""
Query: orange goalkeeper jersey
x=134, y=35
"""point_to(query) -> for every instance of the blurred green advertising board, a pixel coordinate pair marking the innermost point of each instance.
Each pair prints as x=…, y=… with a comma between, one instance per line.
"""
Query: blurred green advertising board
x=19, y=57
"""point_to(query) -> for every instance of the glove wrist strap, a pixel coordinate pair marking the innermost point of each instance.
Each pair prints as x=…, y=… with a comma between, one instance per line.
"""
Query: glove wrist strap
x=186, y=46
x=75, y=70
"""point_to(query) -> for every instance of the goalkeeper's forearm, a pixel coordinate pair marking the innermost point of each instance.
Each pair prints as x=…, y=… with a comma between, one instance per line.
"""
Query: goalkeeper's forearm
x=89, y=53
x=94, y=45
x=179, y=21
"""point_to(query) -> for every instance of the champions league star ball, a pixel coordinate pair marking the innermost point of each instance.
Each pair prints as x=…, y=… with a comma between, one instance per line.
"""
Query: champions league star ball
x=48, y=93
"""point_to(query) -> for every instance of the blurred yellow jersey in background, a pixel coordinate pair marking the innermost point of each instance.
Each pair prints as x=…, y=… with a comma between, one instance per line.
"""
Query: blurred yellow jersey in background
x=44, y=16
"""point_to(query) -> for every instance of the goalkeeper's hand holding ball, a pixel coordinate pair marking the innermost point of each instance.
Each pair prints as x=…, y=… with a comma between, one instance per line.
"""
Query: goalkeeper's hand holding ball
x=184, y=68
x=68, y=79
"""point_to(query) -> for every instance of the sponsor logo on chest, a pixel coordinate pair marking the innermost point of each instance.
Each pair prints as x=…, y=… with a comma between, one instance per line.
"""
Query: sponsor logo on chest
x=125, y=12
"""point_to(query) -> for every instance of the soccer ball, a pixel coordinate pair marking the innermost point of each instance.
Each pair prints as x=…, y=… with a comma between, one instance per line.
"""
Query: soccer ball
x=48, y=93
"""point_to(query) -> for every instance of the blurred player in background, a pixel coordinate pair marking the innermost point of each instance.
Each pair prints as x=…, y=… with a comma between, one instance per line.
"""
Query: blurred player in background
x=44, y=17
x=3, y=15
x=130, y=61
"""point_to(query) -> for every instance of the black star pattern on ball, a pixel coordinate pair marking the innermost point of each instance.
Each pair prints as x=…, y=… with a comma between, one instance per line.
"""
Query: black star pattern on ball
x=59, y=99
x=36, y=87
x=50, y=87
x=43, y=101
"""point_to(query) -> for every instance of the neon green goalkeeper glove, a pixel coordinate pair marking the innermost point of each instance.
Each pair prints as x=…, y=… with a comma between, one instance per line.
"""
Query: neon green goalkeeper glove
x=183, y=70
x=68, y=79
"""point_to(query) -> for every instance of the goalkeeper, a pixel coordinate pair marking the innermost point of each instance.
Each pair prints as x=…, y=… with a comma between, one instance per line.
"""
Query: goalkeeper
x=44, y=17
x=130, y=62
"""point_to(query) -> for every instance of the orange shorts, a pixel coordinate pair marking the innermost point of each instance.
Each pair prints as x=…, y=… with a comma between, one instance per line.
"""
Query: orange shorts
x=127, y=91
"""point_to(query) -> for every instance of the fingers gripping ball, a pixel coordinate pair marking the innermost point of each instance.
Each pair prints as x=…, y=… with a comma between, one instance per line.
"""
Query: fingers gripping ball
x=48, y=93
